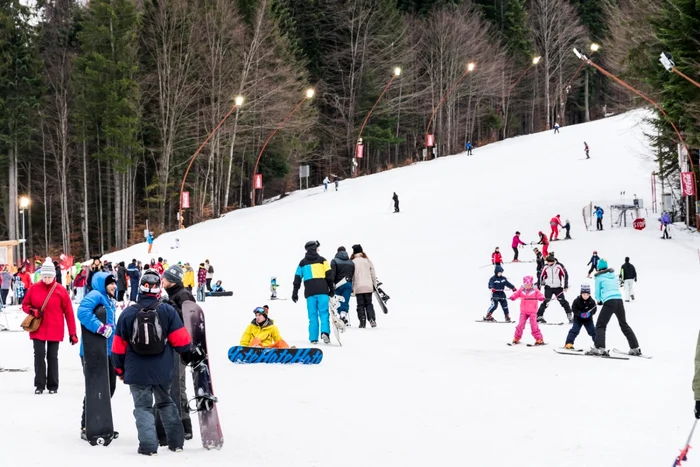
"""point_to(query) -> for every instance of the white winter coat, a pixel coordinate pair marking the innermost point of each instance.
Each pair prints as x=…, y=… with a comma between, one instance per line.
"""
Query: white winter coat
x=364, y=280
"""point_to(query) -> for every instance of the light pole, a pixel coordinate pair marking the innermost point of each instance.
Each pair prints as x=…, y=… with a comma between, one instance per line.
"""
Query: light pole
x=395, y=74
x=309, y=94
x=237, y=102
x=23, y=206
x=594, y=48
x=470, y=67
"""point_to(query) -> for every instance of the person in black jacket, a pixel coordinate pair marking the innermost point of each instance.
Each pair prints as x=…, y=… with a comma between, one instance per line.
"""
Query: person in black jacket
x=317, y=276
x=343, y=268
x=95, y=267
x=121, y=281
x=539, y=260
x=584, y=307
x=628, y=276
x=134, y=278
x=396, y=202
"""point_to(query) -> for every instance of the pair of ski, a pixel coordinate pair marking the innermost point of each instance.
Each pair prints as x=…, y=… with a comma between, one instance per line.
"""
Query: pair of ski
x=615, y=355
x=511, y=322
x=510, y=344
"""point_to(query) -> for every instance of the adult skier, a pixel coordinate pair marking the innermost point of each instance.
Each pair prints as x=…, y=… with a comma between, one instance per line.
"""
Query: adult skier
x=149, y=240
x=316, y=274
x=665, y=220
x=599, y=217
x=555, y=223
x=396, y=202
x=544, y=242
x=607, y=292
x=556, y=127
x=585, y=148
x=343, y=268
x=628, y=276
x=593, y=262
x=556, y=282
x=498, y=284
x=515, y=244
x=469, y=148
x=364, y=282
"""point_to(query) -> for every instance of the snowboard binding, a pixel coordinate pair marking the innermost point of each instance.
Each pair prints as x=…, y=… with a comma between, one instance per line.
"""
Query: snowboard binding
x=203, y=403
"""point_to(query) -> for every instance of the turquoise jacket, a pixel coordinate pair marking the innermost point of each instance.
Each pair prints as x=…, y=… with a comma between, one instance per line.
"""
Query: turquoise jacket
x=607, y=286
x=86, y=310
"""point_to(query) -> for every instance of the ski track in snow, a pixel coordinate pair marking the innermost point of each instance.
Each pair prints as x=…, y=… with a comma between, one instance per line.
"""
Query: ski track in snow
x=429, y=385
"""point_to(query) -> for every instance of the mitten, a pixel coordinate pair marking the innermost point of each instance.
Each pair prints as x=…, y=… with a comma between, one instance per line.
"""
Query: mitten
x=600, y=303
x=36, y=313
x=697, y=409
x=105, y=330
x=73, y=339
x=295, y=297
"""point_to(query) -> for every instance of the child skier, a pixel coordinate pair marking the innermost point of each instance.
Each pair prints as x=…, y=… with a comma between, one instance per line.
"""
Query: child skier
x=539, y=260
x=497, y=284
x=515, y=244
x=584, y=308
x=593, y=262
x=529, y=296
x=496, y=258
x=263, y=332
x=567, y=227
x=545, y=244
x=273, y=288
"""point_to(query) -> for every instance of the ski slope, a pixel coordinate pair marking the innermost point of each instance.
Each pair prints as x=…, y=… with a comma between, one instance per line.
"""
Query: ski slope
x=429, y=386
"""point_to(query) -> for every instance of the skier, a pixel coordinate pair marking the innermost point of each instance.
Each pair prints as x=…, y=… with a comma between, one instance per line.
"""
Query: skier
x=665, y=220
x=593, y=262
x=599, y=217
x=529, y=297
x=273, y=288
x=544, y=242
x=326, y=181
x=628, y=276
x=585, y=148
x=364, y=282
x=556, y=282
x=177, y=295
x=396, y=202
x=102, y=294
x=343, y=268
x=496, y=258
x=567, y=227
x=45, y=301
x=497, y=284
x=143, y=358
x=556, y=128
x=201, y=282
x=149, y=240
x=515, y=244
x=607, y=291
x=469, y=148
x=263, y=332
x=539, y=260
x=336, y=181
x=584, y=308
x=134, y=276
x=316, y=273
x=555, y=223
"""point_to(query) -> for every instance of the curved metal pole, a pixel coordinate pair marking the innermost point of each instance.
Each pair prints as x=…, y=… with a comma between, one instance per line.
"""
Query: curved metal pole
x=255, y=169
x=427, y=128
x=194, y=156
x=512, y=86
x=675, y=70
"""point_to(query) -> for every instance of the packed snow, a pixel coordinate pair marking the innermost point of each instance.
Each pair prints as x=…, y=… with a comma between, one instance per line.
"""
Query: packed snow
x=429, y=385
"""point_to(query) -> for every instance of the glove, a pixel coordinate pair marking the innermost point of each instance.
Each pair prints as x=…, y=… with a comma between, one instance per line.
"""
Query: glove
x=192, y=357
x=493, y=290
x=36, y=313
x=600, y=303
x=331, y=293
x=512, y=297
x=295, y=297
x=73, y=339
x=514, y=290
x=105, y=330
x=697, y=409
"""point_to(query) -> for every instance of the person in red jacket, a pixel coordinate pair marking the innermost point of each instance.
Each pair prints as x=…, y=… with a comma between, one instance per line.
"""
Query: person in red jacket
x=555, y=223
x=496, y=258
x=545, y=244
x=51, y=331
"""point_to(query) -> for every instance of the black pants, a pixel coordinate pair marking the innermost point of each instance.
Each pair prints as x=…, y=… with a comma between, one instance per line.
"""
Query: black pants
x=120, y=295
x=599, y=223
x=112, y=386
x=617, y=308
x=365, y=309
x=548, y=293
x=3, y=294
x=515, y=253
x=576, y=328
x=45, y=352
x=396, y=206
x=208, y=285
x=567, y=234
x=665, y=235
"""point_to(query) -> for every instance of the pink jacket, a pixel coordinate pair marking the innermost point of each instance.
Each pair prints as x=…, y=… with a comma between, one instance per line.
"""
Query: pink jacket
x=529, y=300
x=516, y=242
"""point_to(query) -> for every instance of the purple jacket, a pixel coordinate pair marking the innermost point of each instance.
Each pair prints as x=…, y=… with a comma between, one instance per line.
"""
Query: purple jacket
x=517, y=241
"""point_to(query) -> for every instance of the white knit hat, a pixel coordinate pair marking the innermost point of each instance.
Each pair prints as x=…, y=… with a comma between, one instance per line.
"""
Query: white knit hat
x=48, y=269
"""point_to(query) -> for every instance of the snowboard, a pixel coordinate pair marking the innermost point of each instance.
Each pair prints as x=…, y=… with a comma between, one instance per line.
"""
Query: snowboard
x=204, y=399
x=581, y=353
x=307, y=356
x=382, y=297
x=336, y=323
x=99, y=428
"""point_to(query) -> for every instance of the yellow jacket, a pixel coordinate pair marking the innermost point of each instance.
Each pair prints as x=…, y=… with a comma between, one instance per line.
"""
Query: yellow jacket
x=188, y=278
x=265, y=335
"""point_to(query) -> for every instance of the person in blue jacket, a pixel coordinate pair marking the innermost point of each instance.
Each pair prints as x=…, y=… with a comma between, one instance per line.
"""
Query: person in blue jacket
x=599, y=217
x=104, y=286
x=134, y=277
x=498, y=284
x=317, y=276
x=593, y=262
x=607, y=293
x=469, y=148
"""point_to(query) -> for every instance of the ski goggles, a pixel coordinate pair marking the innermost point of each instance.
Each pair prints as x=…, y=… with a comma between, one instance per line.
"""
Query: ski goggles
x=260, y=310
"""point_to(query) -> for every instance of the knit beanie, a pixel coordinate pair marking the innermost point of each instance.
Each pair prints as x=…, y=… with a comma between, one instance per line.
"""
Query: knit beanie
x=48, y=269
x=174, y=274
x=585, y=288
x=602, y=264
x=550, y=258
x=357, y=249
x=497, y=269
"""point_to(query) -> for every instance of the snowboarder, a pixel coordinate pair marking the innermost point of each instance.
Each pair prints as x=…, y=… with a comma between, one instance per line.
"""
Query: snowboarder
x=201, y=283
x=497, y=284
x=396, y=202
x=496, y=258
x=316, y=273
x=102, y=294
x=364, y=282
x=544, y=242
x=263, y=332
x=469, y=148
x=556, y=282
x=326, y=181
x=567, y=227
x=607, y=292
x=217, y=287
x=515, y=245
x=585, y=148
x=665, y=220
x=273, y=288
x=555, y=223
x=556, y=127
x=144, y=360
x=628, y=276
x=599, y=217
x=529, y=297
x=584, y=308
x=343, y=268
x=593, y=262
x=539, y=260
x=210, y=274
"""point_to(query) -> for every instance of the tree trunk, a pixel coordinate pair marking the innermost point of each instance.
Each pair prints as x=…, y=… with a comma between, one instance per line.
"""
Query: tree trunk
x=85, y=205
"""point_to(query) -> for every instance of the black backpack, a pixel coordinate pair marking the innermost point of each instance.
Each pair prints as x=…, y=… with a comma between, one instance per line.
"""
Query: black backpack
x=147, y=337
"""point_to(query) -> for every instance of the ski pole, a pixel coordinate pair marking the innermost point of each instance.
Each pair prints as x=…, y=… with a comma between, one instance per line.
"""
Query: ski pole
x=683, y=456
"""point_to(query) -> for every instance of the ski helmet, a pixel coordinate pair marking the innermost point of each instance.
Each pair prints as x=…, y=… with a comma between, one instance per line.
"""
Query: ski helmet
x=150, y=282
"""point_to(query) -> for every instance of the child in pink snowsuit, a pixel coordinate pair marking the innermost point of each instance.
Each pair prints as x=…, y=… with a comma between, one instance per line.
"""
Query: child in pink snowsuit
x=529, y=297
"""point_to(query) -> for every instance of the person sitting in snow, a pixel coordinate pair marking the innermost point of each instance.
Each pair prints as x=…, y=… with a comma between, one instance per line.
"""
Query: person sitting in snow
x=263, y=332
x=497, y=284
x=216, y=288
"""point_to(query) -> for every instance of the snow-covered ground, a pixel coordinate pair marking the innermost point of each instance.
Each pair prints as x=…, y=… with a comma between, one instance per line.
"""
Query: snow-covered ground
x=429, y=385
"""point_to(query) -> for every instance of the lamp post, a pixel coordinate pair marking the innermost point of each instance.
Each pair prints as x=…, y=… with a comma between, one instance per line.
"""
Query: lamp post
x=594, y=48
x=309, y=94
x=657, y=106
x=23, y=206
x=470, y=67
x=237, y=102
x=395, y=74
x=667, y=61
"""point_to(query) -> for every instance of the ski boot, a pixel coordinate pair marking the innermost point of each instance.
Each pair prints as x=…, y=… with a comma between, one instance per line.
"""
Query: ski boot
x=539, y=342
x=597, y=351
x=569, y=346
x=38, y=391
x=373, y=323
x=325, y=338
x=508, y=320
x=540, y=319
x=363, y=324
x=570, y=317
x=632, y=297
x=636, y=352
x=516, y=341
x=488, y=317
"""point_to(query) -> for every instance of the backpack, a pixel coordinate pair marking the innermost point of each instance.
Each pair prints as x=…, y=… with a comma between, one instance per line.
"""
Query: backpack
x=147, y=337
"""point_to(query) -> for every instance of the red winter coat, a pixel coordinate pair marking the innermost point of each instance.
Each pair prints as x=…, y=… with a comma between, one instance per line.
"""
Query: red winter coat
x=80, y=280
x=496, y=258
x=26, y=279
x=202, y=275
x=59, y=305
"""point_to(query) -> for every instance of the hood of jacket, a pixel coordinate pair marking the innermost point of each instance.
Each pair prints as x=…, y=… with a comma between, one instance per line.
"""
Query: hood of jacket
x=267, y=323
x=605, y=271
x=98, y=282
x=342, y=255
x=311, y=255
